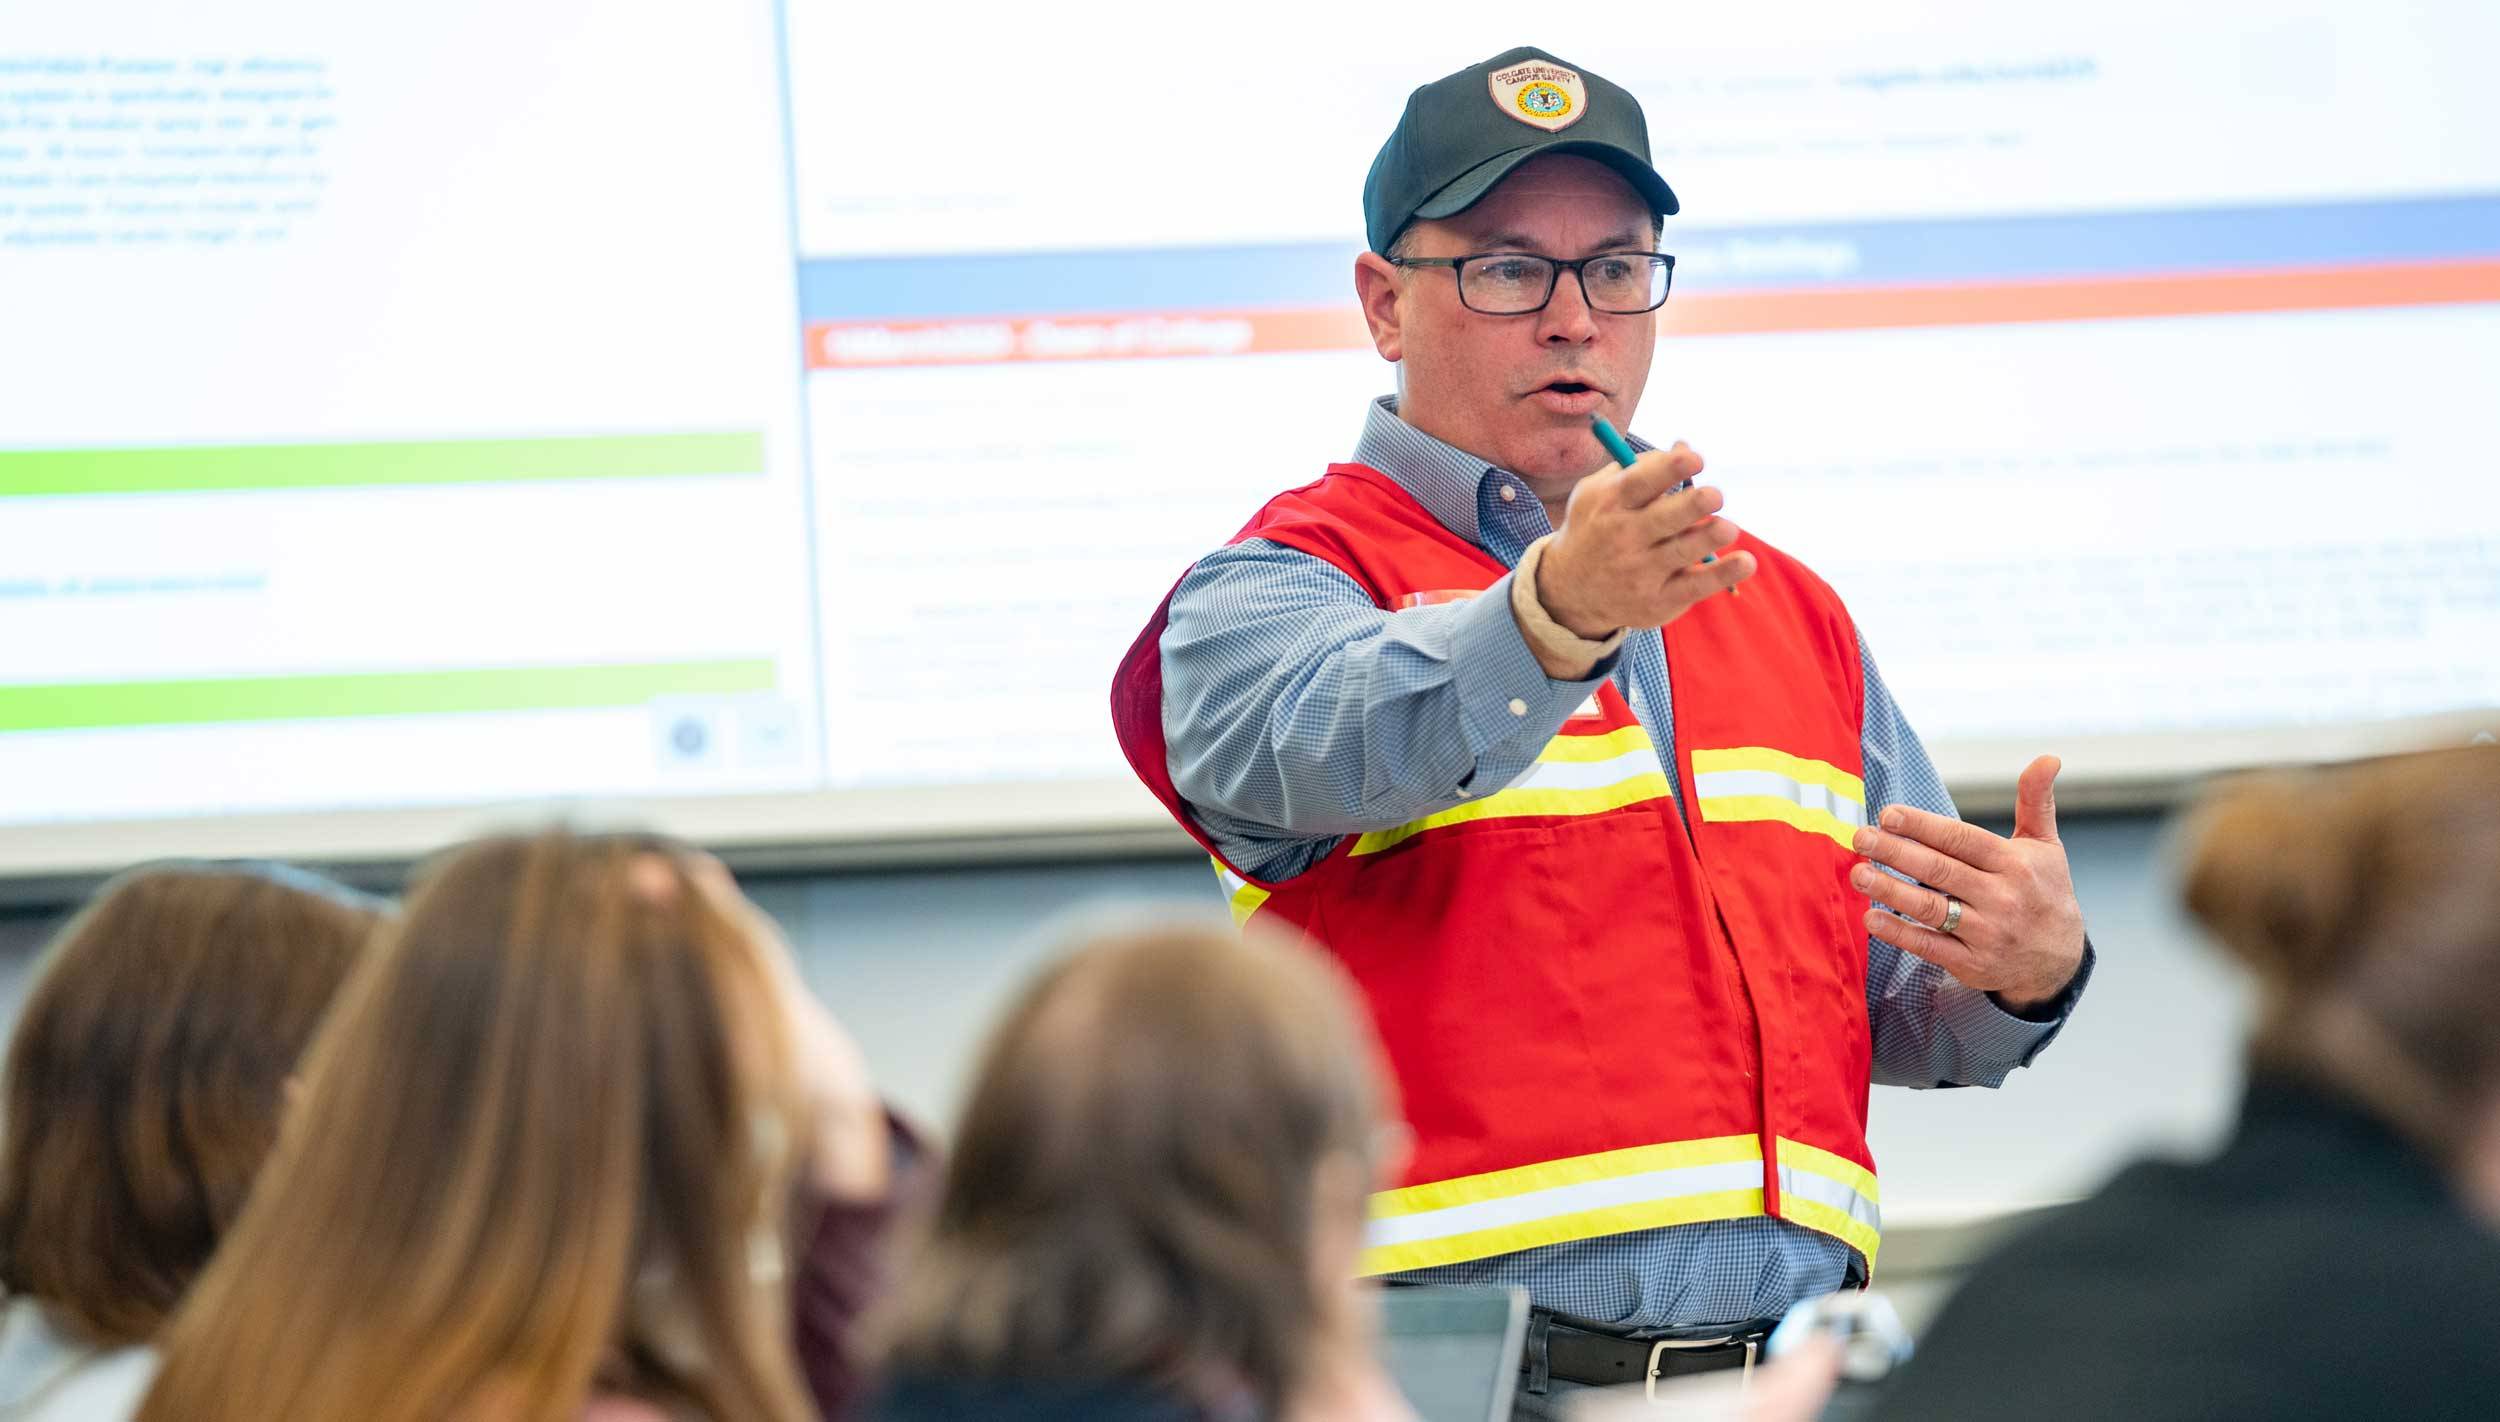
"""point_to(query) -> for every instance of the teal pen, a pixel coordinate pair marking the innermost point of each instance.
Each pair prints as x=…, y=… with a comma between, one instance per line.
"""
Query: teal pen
x=1620, y=450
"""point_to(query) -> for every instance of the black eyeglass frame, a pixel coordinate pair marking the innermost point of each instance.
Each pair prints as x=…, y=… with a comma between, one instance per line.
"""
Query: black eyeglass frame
x=1555, y=267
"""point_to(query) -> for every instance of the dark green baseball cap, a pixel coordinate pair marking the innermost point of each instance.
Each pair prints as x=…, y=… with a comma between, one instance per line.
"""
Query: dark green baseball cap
x=1464, y=133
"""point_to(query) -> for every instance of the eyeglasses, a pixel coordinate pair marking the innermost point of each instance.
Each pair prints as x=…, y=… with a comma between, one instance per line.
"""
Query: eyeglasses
x=1514, y=283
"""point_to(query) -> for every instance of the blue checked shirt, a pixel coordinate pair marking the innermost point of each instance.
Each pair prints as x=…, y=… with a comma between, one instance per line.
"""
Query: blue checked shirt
x=1296, y=712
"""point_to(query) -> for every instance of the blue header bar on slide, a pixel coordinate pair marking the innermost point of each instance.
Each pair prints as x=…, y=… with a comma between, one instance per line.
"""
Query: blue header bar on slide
x=1783, y=257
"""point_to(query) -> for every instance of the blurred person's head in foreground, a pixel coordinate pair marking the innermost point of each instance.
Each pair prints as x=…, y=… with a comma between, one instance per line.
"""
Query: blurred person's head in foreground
x=2361, y=1189
x=2366, y=900
x=543, y=1156
x=147, y=1077
x=1158, y=1184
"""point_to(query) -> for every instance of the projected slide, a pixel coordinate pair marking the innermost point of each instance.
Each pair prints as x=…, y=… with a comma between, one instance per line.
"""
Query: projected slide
x=794, y=402
x=2127, y=372
x=396, y=410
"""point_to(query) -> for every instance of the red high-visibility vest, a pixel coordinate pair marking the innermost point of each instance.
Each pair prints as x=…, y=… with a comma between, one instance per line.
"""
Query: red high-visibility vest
x=1600, y=1020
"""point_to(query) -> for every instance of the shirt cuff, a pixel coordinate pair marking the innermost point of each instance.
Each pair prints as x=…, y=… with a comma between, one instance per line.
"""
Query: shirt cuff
x=1504, y=696
x=1999, y=1041
x=1558, y=643
x=2055, y=1009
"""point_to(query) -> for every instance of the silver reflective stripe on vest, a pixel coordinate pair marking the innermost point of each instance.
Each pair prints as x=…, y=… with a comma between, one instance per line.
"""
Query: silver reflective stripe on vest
x=1243, y=896
x=1823, y=798
x=1806, y=1185
x=1573, y=775
x=1577, y=1197
x=1831, y=1193
x=1586, y=774
x=1563, y=1200
x=1763, y=785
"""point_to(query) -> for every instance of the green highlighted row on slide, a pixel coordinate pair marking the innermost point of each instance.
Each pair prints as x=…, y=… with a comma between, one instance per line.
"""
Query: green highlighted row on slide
x=177, y=469
x=202, y=701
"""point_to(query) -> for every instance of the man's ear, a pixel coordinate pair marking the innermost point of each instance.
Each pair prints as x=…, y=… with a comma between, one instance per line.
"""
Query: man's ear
x=1378, y=285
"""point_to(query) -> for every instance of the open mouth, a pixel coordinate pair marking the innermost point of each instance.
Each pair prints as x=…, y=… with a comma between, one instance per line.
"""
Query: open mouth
x=1568, y=397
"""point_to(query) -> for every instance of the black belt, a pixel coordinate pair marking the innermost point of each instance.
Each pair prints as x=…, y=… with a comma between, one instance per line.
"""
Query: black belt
x=1560, y=1346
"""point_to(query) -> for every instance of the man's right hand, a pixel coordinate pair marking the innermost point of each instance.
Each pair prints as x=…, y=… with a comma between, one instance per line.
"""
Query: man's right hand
x=1629, y=552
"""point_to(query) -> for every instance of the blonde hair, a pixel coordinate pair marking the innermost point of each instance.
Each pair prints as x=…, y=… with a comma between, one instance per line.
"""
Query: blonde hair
x=2366, y=899
x=1131, y=1192
x=146, y=1076
x=546, y=1143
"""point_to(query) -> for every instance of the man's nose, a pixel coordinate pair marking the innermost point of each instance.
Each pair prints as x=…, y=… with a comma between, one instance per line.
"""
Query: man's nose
x=1567, y=319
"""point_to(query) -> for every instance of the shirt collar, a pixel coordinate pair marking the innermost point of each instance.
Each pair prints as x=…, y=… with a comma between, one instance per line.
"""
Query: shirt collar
x=1455, y=487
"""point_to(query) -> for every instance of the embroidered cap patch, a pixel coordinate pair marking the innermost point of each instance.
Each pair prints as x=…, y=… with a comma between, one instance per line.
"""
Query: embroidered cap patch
x=1539, y=94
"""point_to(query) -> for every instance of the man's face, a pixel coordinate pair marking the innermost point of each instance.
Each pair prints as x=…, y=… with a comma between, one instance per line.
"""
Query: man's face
x=1518, y=391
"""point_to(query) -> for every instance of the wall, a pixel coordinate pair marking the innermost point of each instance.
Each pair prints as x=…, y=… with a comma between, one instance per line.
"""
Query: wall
x=918, y=962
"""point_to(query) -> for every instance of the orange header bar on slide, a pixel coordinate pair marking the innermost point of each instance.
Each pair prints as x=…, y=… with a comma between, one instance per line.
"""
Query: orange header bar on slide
x=2084, y=299
x=854, y=345
x=845, y=345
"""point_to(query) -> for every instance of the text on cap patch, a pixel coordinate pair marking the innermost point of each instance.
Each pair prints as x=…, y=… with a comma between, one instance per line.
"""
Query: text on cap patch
x=1539, y=94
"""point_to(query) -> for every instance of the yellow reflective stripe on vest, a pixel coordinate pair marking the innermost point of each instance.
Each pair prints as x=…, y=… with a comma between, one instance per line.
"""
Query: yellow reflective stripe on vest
x=1831, y=1193
x=1757, y=783
x=1573, y=775
x=1582, y=1197
x=1244, y=896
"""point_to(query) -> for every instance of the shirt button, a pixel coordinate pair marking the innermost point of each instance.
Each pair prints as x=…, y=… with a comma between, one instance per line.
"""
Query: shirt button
x=1509, y=494
x=1518, y=707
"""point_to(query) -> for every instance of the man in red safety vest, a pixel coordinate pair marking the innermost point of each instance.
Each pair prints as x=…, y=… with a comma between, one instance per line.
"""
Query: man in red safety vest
x=1475, y=710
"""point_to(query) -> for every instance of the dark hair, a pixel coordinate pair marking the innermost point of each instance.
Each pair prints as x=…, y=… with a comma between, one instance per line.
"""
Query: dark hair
x=1131, y=1196
x=147, y=1075
x=2366, y=898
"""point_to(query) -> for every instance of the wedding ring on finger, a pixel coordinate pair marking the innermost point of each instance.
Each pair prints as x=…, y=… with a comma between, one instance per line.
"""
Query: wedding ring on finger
x=1952, y=915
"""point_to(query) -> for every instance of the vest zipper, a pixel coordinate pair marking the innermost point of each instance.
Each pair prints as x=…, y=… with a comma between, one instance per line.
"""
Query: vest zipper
x=1759, y=1073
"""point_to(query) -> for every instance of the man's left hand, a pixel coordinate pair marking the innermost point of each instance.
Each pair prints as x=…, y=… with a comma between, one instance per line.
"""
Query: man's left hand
x=2021, y=931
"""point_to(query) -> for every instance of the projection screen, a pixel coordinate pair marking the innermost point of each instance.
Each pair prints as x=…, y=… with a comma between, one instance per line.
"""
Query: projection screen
x=773, y=420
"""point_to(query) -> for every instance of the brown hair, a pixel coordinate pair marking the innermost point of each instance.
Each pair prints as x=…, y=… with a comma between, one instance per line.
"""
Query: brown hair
x=546, y=1140
x=1131, y=1195
x=147, y=1076
x=2366, y=897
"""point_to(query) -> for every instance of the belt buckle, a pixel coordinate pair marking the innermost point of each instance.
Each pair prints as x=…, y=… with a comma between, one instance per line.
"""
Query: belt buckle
x=1658, y=1350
